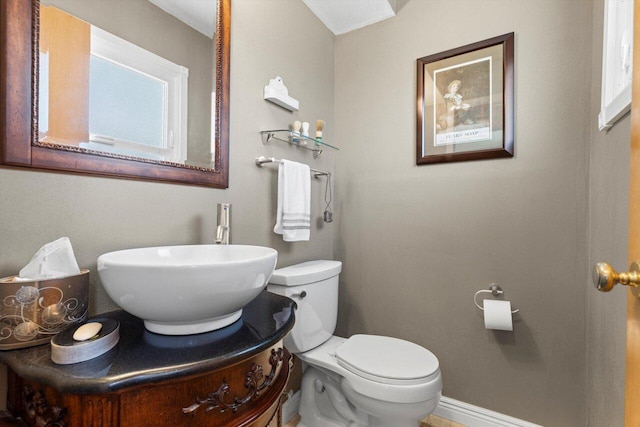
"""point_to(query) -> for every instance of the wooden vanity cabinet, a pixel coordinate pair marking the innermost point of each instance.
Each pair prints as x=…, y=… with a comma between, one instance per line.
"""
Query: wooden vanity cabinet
x=234, y=376
x=246, y=393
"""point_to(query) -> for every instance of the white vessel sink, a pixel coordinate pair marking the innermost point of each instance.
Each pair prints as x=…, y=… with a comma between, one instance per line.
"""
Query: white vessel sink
x=183, y=290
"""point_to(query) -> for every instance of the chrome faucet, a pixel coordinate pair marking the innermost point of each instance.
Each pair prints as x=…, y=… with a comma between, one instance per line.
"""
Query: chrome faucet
x=223, y=232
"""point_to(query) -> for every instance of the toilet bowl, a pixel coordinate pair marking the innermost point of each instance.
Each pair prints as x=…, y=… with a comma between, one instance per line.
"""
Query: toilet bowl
x=364, y=380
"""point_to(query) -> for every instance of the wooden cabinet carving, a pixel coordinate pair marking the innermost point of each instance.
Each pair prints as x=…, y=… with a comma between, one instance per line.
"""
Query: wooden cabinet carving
x=246, y=393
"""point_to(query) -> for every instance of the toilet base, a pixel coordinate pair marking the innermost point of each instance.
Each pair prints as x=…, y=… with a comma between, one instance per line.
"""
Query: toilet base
x=387, y=414
x=322, y=403
x=329, y=401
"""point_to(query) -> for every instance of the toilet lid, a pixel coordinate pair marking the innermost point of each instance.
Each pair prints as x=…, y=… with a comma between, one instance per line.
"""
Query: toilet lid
x=387, y=360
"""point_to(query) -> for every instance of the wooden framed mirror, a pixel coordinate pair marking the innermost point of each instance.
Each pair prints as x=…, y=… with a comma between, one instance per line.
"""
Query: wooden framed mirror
x=21, y=135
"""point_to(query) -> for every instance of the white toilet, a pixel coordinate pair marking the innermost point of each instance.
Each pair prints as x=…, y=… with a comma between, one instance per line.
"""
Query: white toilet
x=365, y=380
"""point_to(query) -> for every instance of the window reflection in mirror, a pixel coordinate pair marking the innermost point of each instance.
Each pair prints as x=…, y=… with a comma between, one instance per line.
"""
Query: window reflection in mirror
x=147, y=96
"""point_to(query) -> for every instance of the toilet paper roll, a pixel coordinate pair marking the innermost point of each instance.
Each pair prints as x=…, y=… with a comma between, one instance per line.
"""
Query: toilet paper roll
x=497, y=315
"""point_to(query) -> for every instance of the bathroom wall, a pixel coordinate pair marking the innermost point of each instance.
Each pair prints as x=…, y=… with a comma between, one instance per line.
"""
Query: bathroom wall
x=102, y=214
x=418, y=242
x=608, y=241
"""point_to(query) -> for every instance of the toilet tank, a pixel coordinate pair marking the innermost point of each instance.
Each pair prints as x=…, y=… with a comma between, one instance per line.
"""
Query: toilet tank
x=313, y=285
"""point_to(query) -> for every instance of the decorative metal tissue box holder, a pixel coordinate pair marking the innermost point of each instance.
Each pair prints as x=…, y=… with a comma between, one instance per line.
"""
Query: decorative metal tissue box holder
x=32, y=312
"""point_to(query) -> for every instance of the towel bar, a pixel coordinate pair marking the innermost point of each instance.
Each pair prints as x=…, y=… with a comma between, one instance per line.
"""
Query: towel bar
x=261, y=160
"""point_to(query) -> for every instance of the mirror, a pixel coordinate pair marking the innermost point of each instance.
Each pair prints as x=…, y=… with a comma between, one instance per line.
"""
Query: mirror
x=62, y=111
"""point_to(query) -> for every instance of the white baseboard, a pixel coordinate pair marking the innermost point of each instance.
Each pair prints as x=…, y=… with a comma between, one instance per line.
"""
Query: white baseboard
x=475, y=416
x=290, y=407
x=450, y=409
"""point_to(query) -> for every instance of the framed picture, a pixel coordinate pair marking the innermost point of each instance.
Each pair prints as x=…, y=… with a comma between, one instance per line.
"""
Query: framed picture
x=465, y=103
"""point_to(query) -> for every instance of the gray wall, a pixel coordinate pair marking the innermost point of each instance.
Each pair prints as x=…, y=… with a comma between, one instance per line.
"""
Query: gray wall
x=418, y=242
x=608, y=241
x=102, y=214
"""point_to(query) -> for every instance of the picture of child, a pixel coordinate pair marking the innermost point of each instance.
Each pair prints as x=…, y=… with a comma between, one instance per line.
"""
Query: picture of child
x=462, y=101
x=458, y=109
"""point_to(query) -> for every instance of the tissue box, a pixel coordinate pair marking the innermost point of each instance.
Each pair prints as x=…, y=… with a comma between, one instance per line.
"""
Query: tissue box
x=33, y=311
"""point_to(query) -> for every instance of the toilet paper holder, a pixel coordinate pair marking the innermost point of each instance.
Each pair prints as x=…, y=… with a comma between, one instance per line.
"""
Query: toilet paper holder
x=494, y=290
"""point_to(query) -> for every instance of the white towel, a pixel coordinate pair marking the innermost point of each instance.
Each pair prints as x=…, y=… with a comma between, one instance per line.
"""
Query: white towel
x=293, y=216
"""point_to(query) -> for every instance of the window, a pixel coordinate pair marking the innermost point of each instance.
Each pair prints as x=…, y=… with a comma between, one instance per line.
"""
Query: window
x=137, y=101
x=617, y=62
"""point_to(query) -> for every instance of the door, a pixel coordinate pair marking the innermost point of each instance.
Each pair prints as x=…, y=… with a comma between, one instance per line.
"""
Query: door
x=632, y=388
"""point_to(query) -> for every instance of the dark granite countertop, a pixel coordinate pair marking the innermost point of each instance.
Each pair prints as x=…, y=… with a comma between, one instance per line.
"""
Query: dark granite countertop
x=144, y=357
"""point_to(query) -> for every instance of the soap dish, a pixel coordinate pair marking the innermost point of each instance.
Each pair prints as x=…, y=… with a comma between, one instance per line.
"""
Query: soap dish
x=65, y=350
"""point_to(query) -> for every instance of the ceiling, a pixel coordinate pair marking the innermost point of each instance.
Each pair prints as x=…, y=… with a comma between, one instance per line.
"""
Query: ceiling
x=339, y=16
x=198, y=14
x=342, y=16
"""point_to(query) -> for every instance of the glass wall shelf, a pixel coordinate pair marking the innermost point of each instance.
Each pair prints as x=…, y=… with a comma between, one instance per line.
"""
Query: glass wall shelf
x=297, y=139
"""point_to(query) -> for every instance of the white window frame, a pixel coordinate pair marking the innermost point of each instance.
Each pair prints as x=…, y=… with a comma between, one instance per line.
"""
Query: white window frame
x=43, y=94
x=114, y=49
x=617, y=62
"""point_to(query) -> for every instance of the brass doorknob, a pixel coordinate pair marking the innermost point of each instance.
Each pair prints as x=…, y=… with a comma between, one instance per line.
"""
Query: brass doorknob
x=605, y=277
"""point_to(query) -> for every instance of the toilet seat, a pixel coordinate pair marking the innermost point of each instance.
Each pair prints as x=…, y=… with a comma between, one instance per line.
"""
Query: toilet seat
x=417, y=390
x=387, y=360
